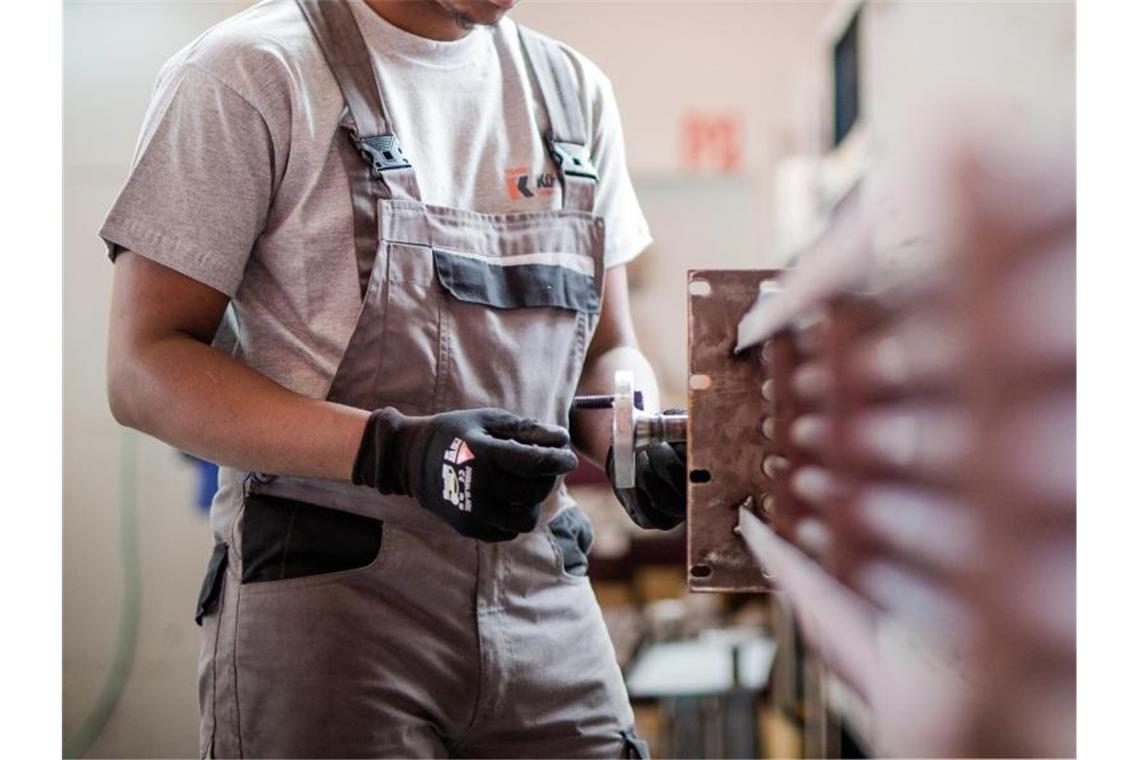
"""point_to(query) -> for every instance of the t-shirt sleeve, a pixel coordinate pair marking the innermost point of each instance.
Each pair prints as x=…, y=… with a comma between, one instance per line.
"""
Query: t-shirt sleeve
x=199, y=190
x=627, y=232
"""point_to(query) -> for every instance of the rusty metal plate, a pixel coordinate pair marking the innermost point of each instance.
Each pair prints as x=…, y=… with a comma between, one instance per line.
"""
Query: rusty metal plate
x=725, y=446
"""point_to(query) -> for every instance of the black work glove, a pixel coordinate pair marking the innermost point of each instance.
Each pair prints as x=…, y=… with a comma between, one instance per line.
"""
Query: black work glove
x=659, y=497
x=484, y=471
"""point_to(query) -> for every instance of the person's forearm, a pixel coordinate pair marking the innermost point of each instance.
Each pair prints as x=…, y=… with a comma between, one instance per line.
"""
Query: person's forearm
x=213, y=406
x=591, y=430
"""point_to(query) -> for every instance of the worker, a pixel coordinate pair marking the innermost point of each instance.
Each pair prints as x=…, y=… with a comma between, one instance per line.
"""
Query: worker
x=366, y=254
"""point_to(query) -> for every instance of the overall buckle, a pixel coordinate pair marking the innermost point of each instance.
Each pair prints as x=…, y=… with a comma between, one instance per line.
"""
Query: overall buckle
x=573, y=159
x=383, y=152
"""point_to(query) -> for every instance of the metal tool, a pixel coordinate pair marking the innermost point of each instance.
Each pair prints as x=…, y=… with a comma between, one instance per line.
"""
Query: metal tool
x=602, y=401
x=633, y=429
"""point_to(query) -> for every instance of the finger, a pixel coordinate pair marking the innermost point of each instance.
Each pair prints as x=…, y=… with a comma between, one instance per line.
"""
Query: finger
x=513, y=520
x=482, y=532
x=528, y=430
x=668, y=464
x=472, y=526
x=522, y=520
x=664, y=500
x=530, y=461
x=666, y=495
x=639, y=505
x=679, y=469
x=517, y=493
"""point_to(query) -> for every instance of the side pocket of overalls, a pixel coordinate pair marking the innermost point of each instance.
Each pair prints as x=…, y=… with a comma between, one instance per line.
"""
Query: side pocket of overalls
x=573, y=536
x=212, y=583
x=285, y=538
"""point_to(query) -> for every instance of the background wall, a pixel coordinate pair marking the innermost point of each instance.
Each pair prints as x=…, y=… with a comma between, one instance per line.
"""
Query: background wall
x=131, y=523
x=115, y=483
x=757, y=64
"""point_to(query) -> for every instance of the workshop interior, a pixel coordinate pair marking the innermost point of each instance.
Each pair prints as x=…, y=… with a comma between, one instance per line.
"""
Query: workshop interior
x=860, y=301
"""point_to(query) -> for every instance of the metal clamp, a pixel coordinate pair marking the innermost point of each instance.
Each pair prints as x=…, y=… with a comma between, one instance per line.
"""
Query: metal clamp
x=633, y=429
x=623, y=429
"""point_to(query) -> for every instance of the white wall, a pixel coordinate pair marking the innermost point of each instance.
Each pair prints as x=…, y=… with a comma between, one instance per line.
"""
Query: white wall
x=112, y=52
x=1001, y=73
x=1012, y=63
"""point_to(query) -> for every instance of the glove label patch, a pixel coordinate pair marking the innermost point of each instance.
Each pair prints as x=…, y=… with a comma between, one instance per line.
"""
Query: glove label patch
x=457, y=475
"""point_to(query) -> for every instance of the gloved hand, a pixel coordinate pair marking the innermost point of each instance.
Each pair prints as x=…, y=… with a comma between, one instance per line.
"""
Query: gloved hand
x=484, y=471
x=659, y=497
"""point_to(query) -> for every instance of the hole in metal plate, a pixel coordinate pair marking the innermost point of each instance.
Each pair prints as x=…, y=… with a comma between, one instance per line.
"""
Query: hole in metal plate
x=700, y=287
x=700, y=382
x=766, y=352
x=699, y=476
x=700, y=571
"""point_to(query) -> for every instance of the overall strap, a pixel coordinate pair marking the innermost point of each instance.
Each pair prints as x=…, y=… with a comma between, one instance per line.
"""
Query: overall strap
x=567, y=141
x=384, y=171
x=343, y=46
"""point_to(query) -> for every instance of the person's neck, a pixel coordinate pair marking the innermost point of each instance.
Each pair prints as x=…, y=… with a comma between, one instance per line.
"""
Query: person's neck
x=425, y=19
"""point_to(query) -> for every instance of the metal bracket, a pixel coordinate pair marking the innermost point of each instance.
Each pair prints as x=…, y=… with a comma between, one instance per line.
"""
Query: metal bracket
x=633, y=430
x=725, y=446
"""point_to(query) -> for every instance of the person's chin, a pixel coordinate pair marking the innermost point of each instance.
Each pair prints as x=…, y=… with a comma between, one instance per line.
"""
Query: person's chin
x=488, y=12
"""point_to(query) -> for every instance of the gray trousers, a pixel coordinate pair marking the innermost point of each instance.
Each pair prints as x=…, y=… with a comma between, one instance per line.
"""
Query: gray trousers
x=441, y=646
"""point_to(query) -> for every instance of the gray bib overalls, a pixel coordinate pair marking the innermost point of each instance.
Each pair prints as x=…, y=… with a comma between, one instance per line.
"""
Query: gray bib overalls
x=342, y=622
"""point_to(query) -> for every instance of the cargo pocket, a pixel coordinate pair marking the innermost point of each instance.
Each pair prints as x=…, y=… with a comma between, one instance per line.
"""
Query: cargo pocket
x=285, y=538
x=212, y=583
x=572, y=536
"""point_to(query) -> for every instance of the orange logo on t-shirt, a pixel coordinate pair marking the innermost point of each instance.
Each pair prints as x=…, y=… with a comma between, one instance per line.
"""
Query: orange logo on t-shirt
x=522, y=184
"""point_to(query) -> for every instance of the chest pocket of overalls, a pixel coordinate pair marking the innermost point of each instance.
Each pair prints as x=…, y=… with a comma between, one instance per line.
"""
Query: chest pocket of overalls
x=466, y=329
x=515, y=329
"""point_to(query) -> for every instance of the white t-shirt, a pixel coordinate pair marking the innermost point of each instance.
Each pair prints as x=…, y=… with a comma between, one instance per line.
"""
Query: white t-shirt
x=236, y=183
